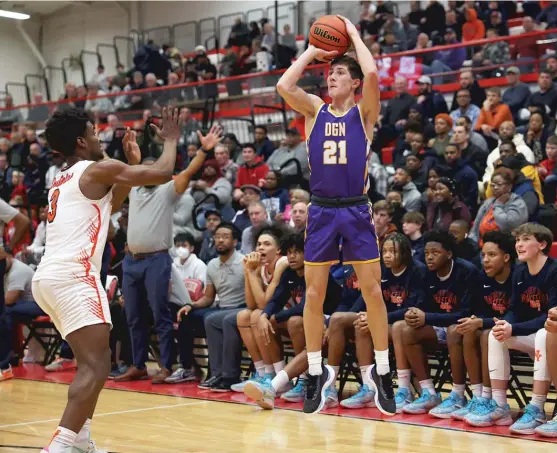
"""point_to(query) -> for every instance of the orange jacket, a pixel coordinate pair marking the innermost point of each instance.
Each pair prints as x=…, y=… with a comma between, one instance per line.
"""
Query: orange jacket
x=473, y=28
x=494, y=117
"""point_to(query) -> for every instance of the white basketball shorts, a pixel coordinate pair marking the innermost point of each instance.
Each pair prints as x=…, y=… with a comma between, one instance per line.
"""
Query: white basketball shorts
x=73, y=304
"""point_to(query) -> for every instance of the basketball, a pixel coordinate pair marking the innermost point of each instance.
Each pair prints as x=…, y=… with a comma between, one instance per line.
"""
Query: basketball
x=329, y=33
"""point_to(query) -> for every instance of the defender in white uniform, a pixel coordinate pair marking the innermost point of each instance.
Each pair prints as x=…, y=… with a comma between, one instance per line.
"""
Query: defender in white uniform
x=67, y=282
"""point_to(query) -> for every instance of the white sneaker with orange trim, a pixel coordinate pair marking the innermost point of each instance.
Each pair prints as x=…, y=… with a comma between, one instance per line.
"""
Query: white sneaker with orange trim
x=6, y=374
x=61, y=364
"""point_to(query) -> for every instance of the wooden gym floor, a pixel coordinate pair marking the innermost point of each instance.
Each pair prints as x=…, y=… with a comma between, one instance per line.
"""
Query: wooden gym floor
x=141, y=418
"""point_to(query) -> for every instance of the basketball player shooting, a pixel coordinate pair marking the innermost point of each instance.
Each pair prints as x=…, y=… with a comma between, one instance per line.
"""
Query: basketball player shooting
x=339, y=136
x=67, y=282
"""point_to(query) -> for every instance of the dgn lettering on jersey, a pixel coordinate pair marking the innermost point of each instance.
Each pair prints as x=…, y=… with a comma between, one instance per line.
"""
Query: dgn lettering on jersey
x=335, y=129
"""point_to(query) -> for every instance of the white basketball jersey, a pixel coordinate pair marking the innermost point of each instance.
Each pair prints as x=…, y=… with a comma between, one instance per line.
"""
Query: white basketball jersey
x=76, y=229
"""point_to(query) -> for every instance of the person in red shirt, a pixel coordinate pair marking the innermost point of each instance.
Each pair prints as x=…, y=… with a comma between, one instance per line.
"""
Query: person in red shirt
x=547, y=166
x=251, y=171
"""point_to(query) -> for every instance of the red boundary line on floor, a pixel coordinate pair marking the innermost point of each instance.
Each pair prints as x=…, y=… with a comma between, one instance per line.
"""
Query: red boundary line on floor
x=189, y=390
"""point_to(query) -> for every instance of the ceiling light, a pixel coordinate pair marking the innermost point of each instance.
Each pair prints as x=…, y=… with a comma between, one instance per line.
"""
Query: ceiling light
x=12, y=15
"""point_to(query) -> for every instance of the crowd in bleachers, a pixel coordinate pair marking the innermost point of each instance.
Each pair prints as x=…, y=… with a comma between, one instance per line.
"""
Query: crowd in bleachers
x=475, y=167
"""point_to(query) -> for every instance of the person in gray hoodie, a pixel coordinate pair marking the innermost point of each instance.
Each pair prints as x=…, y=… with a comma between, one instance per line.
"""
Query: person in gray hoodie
x=411, y=196
x=294, y=148
x=504, y=212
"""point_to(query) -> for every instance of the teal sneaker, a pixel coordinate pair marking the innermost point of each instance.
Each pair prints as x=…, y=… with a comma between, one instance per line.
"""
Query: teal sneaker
x=239, y=387
x=548, y=429
x=403, y=397
x=331, y=397
x=261, y=392
x=423, y=404
x=459, y=414
x=449, y=405
x=488, y=414
x=297, y=394
x=531, y=418
x=363, y=398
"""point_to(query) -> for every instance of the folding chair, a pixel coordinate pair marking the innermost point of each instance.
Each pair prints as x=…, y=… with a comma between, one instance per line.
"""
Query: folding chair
x=43, y=330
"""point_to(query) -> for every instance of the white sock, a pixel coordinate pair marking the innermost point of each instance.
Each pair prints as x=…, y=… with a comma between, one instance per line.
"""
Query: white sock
x=477, y=390
x=279, y=366
x=82, y=439
x=269, y=369
x=280, y=381
x=459, y=389
x=500, y=397
x=259, y=367
x=315, y=363
x=382, y=362
x=336, y=370
x=538, y=401
x=428, y=385
x=365, y=378
x=486, y=393
x=404, y=378
x=62, y=440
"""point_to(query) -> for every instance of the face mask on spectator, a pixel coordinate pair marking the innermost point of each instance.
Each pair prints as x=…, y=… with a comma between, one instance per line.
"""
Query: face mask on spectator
x=182, y=252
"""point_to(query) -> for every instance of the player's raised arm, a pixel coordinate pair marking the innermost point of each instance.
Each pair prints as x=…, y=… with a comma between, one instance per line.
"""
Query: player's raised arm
x=370, y=102
x=115, y=172
x=298, y=99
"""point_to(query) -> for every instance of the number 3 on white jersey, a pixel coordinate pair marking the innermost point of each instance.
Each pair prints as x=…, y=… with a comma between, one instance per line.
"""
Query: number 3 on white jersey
x=330, y=152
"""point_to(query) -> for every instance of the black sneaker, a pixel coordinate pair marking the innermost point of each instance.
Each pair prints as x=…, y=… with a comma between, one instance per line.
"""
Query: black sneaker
x=224, y=385
x=384, y=395
x=315, y=390
x=210, y=382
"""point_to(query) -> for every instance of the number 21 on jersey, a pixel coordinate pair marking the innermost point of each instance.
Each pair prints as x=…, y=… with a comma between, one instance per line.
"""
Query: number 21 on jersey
x=53, y=206
x=334, y=152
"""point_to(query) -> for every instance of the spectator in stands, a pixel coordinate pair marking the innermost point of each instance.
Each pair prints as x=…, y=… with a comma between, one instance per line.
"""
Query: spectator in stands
x=206, y=71
x=227, y=166
x=451, y=19
x=496, y=22
x=38, y=113
x=294, y=148
x=466, y=248
x=252, y=171
x=434, y=19
x=97, y=105
x=522, y=185
x=11, y=115
x=432, y=102
x=263, y=145
x=34, y=252
x=444, y=205
x=389, y=43
x=465, y=107
x=382, y=218
x=269, y=39
x=493, y=114
x=100, y=78
x=517, y=94
x=526, y=48
x=551, y=67
x=254, y=31
x=418, y=171
x=299, y=216
x=186, y=263
x=395, y=113
x=274, y=197
x=467, y=82
x=224, y=298
x=423, y=43
x=411, y=196
x=288, y=39
x=446, y=60
x=212, y=220
x=35, y=173
x=249, y=194
x=228, y=62
x=474, y=28
x=258, y=218
x=416, y=13
x=492, y=53
x=443, y=127
x=411, y=31
x=504, y=212
x=470, y=152
x=546, y=167
x=460, y=171
x=212, y=182
x=239, y=33
x=548, y=16
x=58, y=163
x=547, y=95
x=188, y=127
x=536, y=135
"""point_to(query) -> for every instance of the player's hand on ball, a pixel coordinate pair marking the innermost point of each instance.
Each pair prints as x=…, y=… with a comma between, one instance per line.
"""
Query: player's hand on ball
x=170, y=125
x=253, y=261
x=323, y=55
x=350, y=27
x=209, y=141
x=131, y=148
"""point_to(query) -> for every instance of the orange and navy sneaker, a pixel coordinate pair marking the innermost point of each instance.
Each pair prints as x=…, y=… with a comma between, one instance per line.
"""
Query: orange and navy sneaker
x=6, y=374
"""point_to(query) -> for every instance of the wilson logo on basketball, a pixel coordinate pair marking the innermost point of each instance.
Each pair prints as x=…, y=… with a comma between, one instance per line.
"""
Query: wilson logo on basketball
x=325, y=35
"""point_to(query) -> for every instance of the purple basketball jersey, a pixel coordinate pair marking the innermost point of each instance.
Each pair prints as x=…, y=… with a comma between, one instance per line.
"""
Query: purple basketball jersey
x=338, y=152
